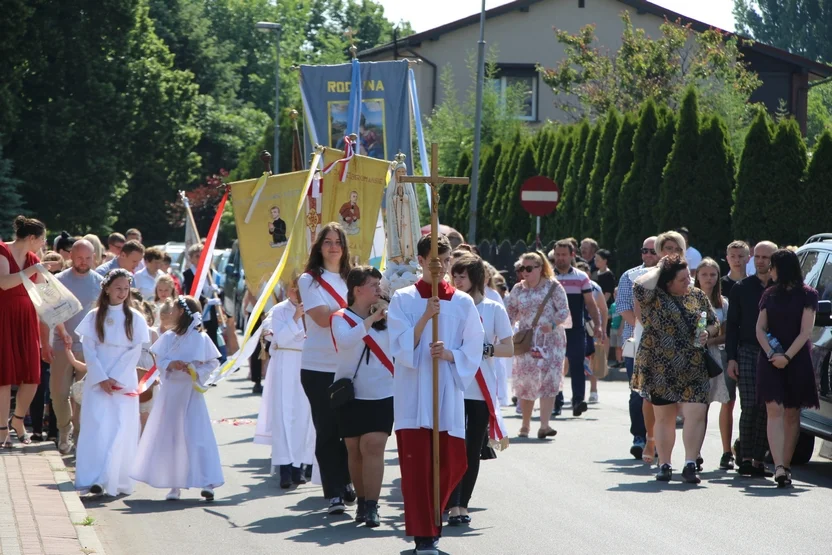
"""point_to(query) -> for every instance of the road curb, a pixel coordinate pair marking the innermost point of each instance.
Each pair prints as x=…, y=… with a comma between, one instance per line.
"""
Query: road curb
x=87, y=535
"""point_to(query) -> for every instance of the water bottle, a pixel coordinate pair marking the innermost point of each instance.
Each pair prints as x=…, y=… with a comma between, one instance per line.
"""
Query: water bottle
x=700, y=326
x=775, y=344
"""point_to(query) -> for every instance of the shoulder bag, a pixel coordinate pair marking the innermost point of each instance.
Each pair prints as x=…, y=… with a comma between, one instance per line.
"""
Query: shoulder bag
x=713, y=367
x=342, y=391
x=523, y=338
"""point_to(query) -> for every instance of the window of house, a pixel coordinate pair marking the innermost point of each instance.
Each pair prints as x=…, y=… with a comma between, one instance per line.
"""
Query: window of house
x=522, y=81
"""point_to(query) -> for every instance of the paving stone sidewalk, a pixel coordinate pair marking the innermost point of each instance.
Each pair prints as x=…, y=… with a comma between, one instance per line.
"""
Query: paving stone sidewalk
x=40, y=512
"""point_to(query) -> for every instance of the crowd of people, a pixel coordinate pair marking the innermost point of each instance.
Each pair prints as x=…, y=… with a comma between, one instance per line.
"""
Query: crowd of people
x=347, y=363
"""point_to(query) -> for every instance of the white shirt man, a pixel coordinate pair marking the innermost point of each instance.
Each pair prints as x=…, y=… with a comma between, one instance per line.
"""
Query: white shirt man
x=459, y=350
x=145, y=279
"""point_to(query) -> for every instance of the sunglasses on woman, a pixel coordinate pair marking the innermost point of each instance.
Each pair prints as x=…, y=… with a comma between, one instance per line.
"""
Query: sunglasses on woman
x=527, y=268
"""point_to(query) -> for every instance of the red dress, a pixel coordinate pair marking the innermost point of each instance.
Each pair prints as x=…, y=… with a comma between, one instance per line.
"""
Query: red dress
x=19, y=329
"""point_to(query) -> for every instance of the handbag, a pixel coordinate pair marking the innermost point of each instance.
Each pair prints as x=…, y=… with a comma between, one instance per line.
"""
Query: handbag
x=711, y=365
x=53, y=302
x=523, y=339
x=342, y=391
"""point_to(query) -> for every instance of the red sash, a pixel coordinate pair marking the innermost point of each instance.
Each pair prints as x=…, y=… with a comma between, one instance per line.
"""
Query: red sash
x=368, y=339
x=494, y=431
x=329, y=289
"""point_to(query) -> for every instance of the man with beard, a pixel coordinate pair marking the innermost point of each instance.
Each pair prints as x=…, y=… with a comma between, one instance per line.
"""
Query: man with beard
x=86, y=286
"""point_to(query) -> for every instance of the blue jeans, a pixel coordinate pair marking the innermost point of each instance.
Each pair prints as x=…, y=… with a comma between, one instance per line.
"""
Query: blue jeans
x=575, y=354
x=637, y=427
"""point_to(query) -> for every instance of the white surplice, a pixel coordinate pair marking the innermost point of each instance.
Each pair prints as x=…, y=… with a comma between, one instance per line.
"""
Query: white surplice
x=109, y=423
x=285, y=419
x=503, y=365
x=461, y=331
x=178, y=448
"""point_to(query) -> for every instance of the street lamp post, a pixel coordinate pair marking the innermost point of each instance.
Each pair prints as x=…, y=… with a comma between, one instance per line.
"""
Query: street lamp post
x=268, y=27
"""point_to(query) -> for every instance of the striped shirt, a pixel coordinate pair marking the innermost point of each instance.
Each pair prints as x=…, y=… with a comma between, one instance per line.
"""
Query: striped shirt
x=624, y=301
x=576, y=283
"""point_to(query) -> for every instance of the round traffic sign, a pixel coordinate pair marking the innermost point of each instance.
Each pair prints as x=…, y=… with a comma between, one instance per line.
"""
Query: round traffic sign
x=539, y=196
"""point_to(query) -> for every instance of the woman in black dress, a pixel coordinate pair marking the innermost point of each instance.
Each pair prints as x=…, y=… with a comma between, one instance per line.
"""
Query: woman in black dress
x=785, y=377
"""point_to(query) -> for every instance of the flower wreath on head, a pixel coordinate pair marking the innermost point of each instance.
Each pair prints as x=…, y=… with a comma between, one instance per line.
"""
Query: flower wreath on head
x=114, y=275
x=196, y=317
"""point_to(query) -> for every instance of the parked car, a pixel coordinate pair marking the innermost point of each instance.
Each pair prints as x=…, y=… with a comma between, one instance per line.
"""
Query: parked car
x=816, y=262
x=234, y=286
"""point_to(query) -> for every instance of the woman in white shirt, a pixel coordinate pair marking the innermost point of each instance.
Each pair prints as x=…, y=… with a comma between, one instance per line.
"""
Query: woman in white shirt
x=482, y=409
x=361, y=339
x=323, y=291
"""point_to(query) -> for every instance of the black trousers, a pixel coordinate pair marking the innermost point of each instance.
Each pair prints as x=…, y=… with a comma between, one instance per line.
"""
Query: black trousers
x=330, y=449
x=476, y=429
x=38, y=402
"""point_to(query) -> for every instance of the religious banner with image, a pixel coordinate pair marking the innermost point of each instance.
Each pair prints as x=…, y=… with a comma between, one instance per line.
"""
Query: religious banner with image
x=384, y=127
x=354, y=203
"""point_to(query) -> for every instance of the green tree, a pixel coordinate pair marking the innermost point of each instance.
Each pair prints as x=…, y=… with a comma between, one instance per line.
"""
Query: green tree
x=14, y=62
x=543, y=144
x=583, y=180
x=591, y=222
x=163, y=132
x=803, y=27
x=550, y=225
x=660, y=146
x=448, y=193
x=679, y=183
x=818, y=191
x=783, y=206
x=819, y=112
x=462, y=200
x=591, y=79
x=629, y=239
x=489, y=167
x=503, y=182
x=622, y=159
x=714, y=182
x=515, y=221
x=751, y=195
x=566, y=213
x=11, y=203
x=486, y=230
x=555, y=152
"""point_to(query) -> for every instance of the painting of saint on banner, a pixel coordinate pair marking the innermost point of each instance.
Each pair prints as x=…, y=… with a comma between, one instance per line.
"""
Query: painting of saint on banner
x=371, y=128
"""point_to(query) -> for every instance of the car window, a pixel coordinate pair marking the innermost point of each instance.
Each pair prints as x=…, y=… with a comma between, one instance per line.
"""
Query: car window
x=811, y=266
x=824, y=282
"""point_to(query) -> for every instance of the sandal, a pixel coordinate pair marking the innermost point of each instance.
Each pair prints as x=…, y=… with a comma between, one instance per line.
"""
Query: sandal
x=524, y=432
x=649, y=453
x=5, y=443
x=547, y=432
x=788, y=480
x=24, y=437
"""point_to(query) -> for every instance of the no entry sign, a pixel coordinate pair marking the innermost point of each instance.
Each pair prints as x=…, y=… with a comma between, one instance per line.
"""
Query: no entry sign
x=539, y=196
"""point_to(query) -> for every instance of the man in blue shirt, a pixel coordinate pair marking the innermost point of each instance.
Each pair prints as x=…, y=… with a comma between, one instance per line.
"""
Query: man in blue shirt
x=131, y=255
x=625, y=307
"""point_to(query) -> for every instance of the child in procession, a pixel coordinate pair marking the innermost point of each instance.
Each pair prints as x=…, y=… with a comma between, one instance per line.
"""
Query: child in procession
x=285, y=418
x=178, y=449
x=482, y=410
x=112, y=336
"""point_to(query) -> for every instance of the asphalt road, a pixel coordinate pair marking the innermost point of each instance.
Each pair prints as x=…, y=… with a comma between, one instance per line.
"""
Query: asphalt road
x=579, y=493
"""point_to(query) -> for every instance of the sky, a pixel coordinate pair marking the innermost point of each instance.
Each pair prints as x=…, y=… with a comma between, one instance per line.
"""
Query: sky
x=427, y=14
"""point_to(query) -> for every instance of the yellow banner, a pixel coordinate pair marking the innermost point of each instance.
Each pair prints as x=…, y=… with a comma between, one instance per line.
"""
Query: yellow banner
x=354, y=204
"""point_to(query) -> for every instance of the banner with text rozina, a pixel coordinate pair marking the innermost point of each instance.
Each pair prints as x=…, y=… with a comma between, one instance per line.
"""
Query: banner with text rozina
x=354, y=204
x=385, y=107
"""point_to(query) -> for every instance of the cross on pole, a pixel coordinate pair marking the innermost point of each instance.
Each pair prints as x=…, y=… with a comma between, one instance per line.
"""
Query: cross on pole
x=435, y=267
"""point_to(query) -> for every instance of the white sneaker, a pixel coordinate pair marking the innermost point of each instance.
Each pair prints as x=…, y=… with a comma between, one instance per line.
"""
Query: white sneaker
x=208, y=494
x=593, y=397
x=173, y=494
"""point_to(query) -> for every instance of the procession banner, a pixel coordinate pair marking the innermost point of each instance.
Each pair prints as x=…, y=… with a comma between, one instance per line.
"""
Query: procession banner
x=384, y=127
x=354, y=203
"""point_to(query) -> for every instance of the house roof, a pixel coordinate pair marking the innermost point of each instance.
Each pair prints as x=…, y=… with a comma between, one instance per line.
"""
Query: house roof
x=817, y=69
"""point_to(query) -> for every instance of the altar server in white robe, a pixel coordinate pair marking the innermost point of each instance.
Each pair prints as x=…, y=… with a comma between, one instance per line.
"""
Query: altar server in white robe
x=285, y=418
x=111, y=337
x=459, y=351
x=483, y=420
x=178, y=449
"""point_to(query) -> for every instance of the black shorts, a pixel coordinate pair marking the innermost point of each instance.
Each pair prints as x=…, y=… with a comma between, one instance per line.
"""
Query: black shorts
x=362, y=416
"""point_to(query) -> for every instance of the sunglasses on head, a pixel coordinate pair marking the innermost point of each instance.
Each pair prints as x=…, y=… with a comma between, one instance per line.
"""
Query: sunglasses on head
x=527, y=268
x=648, y=251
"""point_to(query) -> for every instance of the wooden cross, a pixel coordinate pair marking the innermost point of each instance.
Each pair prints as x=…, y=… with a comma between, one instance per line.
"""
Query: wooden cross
x=435, y=267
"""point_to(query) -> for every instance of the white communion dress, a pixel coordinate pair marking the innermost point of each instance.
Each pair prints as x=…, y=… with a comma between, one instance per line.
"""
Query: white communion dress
x=178, y=448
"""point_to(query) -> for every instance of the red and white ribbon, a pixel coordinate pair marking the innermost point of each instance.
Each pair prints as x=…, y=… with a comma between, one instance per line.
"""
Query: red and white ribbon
x=349, y=152
x=144, y=384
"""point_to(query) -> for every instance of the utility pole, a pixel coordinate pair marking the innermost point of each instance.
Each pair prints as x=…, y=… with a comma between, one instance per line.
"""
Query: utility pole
x=471, y=238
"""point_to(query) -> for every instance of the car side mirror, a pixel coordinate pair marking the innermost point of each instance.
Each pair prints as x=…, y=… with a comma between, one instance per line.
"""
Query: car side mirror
x=823, y=317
